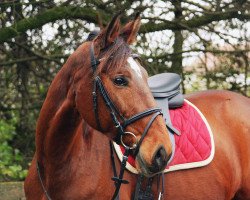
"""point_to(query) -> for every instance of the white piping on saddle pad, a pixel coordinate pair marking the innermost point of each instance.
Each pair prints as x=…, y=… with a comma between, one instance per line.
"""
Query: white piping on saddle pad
x=179, y=166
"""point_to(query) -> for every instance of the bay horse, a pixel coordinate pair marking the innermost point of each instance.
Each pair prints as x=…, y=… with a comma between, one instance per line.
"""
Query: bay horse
x=73, y=151
x=101, y=91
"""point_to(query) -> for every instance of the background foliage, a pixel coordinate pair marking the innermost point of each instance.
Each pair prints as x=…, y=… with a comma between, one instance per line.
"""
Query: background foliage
x=205, y=41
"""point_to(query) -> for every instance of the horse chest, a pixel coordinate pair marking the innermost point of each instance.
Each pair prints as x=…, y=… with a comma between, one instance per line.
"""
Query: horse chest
x=86, y=177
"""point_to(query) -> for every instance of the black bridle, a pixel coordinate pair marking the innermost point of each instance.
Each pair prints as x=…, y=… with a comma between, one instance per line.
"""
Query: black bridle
x=114, y=113
x=120, y=126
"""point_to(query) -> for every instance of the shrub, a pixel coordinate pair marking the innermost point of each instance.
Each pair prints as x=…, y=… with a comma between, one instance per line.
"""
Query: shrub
x=10, y=157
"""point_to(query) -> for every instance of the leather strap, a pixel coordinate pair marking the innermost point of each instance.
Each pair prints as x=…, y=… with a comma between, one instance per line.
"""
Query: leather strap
x=140, y=115
x=145, y=132
x=94, y=62
x=41, y=181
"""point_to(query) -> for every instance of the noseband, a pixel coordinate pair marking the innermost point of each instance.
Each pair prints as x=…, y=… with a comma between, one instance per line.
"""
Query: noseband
x=120, y=126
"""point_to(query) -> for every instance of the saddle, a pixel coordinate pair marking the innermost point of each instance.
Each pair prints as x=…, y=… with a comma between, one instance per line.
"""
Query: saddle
x=165, y=88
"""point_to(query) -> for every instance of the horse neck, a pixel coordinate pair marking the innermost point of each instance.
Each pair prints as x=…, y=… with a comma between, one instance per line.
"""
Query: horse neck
x=59, y=119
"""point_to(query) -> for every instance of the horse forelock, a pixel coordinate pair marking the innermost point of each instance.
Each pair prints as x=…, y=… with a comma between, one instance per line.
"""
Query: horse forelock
x=114, y=57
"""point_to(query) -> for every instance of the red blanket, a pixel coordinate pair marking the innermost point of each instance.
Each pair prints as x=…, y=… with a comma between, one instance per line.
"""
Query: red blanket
x=193, y=148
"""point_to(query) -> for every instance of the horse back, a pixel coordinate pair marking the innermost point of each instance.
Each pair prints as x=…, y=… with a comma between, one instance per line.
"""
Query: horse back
x=229, y=116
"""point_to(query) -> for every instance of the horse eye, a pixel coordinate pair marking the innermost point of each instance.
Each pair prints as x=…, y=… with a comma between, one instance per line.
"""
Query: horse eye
x=120, y=81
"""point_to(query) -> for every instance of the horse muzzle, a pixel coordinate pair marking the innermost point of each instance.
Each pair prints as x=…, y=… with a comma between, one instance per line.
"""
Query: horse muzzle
x=158, y=162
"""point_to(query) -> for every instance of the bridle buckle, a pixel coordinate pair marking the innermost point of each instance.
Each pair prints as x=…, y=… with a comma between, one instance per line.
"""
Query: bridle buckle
x=118, y=125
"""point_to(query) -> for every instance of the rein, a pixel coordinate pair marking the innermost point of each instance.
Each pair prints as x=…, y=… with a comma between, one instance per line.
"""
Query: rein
x=120, y=126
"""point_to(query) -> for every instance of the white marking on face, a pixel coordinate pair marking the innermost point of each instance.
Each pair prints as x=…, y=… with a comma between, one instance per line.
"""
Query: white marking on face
x=134, y=65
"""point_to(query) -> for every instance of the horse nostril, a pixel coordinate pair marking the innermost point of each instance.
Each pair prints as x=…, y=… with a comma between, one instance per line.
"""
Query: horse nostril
x=160, y=160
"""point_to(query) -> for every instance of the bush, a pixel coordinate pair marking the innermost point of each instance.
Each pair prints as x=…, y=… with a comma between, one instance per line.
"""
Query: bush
x=10, y=158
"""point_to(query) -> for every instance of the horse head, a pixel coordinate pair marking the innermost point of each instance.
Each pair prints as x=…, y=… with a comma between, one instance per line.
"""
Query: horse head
x=112, y=96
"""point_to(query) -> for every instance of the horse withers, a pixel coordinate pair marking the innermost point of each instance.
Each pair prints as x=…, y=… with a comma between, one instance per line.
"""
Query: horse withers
x=100, y=94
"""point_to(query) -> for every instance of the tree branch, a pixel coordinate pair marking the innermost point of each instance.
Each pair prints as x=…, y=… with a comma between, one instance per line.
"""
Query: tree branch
x=28, y=49
x=194, y=22
x=32, y=58
x=90, y=15
x=50, y=15
x=215, y=51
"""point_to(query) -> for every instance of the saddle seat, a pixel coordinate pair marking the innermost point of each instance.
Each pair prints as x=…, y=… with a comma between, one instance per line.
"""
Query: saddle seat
x=166, y=86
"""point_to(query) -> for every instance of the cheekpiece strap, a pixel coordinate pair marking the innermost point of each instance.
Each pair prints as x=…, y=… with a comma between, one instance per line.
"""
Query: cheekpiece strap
x=145, y=132
x=94, y=62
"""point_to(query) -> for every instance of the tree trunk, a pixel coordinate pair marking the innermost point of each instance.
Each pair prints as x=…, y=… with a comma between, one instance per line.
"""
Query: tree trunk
x=245, y=57
x=178, y=43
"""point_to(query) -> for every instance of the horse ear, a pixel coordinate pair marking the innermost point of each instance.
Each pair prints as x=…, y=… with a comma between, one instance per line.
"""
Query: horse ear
x=111, y=32
x=130, y=30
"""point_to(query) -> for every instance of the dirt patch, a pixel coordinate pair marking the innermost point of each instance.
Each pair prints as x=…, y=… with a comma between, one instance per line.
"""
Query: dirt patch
x=11, y=191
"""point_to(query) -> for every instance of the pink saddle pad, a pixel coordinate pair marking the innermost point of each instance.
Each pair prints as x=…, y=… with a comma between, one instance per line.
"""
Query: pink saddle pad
x=193, y=148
